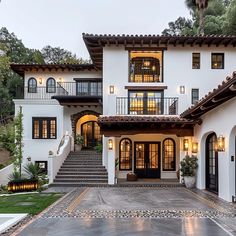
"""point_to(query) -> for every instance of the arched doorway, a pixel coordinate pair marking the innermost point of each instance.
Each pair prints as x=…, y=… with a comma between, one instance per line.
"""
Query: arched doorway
x=91, y=134
x=211, y=163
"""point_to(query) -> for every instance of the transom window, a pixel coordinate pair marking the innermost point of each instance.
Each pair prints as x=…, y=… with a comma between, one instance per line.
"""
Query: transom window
x=217, y=60
x=44, y=128
x=145, y=67
x=169, y=155
x=32, y=85
x=88, y=88
x=51, y=85
x=196, y=60
x=125, y=158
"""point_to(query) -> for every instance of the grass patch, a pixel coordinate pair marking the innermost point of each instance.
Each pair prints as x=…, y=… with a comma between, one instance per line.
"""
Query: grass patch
x=18, y=203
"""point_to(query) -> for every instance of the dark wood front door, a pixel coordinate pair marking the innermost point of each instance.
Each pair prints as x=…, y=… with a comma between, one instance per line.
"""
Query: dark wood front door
x=147, y=159
x=211, y=163
x=91, y=134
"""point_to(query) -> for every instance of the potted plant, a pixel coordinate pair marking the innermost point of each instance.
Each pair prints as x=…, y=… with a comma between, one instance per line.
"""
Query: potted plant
x=79, y=140
x=188, y=167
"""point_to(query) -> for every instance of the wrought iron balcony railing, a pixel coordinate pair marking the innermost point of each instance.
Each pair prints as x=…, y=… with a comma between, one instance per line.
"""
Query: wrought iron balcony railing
x=61, y=89
x=147, y=106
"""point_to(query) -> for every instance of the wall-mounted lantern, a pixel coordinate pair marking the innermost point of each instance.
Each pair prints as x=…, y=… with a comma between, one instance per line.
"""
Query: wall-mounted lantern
x=60, y=80
x=40, y=80
x=182, y=89
x=28, y=158
x=194, y=147
x=112, y=89
x=221, y=143
x=186, y=145
x=110, y=144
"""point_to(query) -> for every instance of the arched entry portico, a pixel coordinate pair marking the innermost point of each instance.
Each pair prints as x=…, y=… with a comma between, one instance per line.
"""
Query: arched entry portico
x=85, y=124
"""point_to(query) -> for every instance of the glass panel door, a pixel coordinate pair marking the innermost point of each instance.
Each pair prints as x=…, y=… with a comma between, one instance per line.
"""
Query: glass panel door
x=147, y=160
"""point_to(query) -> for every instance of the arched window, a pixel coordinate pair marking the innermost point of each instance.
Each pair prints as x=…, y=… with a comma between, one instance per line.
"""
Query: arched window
x=125, y=158
x=32, y=85
x=51, y=85
x=169, y=156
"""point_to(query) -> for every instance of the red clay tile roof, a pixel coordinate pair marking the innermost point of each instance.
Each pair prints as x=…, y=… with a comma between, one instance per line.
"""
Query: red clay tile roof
x=21, y=68
x=143, y=119
x=95, y=42
x=224, y=92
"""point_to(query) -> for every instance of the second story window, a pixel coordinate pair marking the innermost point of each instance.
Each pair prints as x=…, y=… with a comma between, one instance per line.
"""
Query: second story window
x=51, y=85
x=88, y=88
x=196, y=60
x=145, y=67
x=32, y=85
x=217, y=60
x=195, y=96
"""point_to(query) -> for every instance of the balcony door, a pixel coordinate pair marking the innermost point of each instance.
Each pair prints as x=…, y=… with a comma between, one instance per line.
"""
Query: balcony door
x=147, y=159
x=91, y=134
x=145, y=102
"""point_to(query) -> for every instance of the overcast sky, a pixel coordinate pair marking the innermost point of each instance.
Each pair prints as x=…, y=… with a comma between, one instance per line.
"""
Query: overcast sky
x=62, y=22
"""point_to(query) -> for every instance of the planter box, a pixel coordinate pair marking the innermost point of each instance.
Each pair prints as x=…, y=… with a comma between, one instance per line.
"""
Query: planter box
x=132, y=177
x=22, y=186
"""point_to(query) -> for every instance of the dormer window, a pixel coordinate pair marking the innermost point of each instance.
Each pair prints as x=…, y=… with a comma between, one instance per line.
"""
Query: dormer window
x=145, y=67
x=32, y=85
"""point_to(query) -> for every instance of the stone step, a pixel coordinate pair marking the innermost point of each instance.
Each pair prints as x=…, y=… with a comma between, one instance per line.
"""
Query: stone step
x=64, y=184
x=85, y=168
x=72, y=180
x=62, y=172
x=82, y=176
x=83, y=161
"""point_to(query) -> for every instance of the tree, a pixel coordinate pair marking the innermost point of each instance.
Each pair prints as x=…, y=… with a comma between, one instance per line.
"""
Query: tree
x=200, y=5
x=230, y=19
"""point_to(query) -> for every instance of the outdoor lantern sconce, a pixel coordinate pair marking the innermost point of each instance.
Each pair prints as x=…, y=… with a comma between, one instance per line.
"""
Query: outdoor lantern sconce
x=186, y=145
x=28, y=158
x=40, y=81
x=221, y=144
x=110, y=144
x=182, y=89
x=60, y=80
x=194, y=147
x=112, y=89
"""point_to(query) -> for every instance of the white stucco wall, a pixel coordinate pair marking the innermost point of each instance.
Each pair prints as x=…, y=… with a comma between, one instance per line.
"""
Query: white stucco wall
x=177, y=68
x=221, y=121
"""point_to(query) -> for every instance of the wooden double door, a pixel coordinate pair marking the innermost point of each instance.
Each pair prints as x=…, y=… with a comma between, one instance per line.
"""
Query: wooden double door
x=147, y=159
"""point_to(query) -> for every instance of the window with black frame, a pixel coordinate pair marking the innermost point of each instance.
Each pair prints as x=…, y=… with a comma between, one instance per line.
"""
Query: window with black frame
x=88, y=88
x=145, y=67
x=44, y=128
x=169, y=157
x=195, y=96
x=125, y=158
x=32, y=85
x=196, y=60
x=217, y=60
x=145, y=102
x=51, y=85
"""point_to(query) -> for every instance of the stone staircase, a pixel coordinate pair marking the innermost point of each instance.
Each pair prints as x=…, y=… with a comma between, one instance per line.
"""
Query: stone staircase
x=82, y=168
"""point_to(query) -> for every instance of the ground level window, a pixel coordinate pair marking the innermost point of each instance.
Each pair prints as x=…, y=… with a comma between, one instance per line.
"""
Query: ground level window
x=44, y=128
x=125, y=160
x=43, y=166
x=169, y=155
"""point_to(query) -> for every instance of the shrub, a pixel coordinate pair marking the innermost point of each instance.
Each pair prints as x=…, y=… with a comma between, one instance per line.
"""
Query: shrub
x=188, y=166
x=98, y=148
x=79, y=139
x=32, y=170
x=7, y=137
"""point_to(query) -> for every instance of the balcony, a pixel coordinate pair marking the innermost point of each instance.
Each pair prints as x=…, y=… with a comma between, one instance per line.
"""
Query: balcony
x=65, y=89
x=147, y=106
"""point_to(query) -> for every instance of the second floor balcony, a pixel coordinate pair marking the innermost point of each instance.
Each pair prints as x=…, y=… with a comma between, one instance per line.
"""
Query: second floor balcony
x=64, y=89
x=147, y=106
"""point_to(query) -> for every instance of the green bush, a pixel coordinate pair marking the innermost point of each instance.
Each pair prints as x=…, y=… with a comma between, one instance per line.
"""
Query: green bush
x=1, y=166
x=32, y=170
x=98, y=148
x=79, y=139
x=7, y=137
x=188, y=166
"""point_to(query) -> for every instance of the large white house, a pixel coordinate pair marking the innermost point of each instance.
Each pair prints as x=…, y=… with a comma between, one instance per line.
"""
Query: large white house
x=141, y=99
